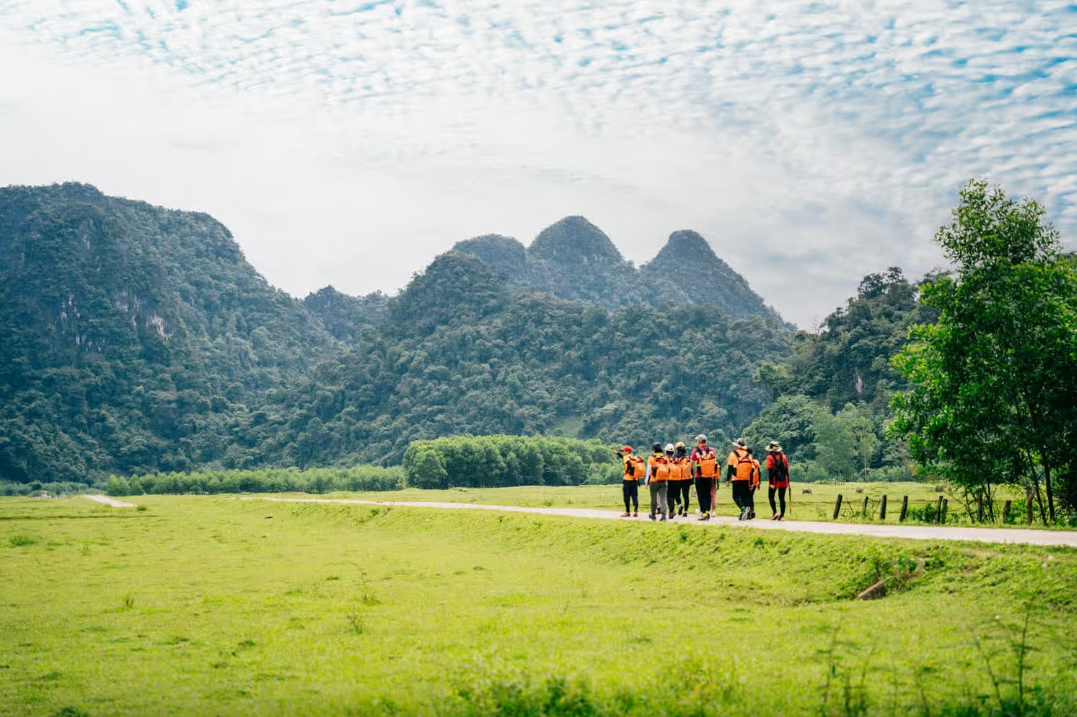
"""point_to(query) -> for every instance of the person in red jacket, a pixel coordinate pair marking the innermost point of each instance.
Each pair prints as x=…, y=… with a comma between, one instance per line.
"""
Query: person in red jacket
x=777, y=477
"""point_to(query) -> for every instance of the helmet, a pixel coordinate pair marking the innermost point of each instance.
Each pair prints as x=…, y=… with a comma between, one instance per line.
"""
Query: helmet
x=701, y=437
x=657, y=447
x=681, y=446
x=669, y=448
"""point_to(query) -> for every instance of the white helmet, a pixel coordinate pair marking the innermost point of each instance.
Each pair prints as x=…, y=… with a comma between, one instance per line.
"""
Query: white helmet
x=669, y=448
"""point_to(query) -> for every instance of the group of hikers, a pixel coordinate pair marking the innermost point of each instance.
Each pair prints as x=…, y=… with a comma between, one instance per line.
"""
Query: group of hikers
x=670, y=472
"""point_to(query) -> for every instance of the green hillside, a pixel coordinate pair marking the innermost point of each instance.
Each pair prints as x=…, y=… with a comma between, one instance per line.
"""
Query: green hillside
x=136, y=339
x=462, y=353
x=128, y=333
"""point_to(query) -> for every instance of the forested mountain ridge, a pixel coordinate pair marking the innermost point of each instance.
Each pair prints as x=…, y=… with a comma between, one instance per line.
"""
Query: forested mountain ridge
x=138, y=339
x=463, y=353
x=126, y=330
x=573, y=259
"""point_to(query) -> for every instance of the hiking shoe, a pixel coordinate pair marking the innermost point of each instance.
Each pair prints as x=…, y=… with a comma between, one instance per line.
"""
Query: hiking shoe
x=626, y=514
x=744, y=514
x=774, y=517
x=635, y=515
x=705, y=516
x=652, y=516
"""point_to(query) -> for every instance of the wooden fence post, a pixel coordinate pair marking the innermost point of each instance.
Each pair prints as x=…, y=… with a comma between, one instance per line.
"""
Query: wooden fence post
x=945, y=509
x=980, y=509
x=904, y=509
x=938, y=511
x=882, y=509
x=1006, y=511
x=837, y=506
x=864, y=512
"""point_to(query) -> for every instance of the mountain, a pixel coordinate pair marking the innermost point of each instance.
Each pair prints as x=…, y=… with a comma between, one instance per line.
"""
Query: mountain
x=465, y=353
x=574, y=260
x=127, y=331
x=138, y=339
x=687, y=271
x=342, y=314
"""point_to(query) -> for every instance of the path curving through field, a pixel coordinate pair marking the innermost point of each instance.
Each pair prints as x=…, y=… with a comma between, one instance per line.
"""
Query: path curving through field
x=911, y=532
x=109, y=501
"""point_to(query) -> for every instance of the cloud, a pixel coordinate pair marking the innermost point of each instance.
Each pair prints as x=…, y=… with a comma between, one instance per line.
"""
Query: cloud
x=338, y=136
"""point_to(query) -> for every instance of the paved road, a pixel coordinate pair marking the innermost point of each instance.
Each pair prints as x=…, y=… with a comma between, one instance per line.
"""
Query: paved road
x=109, y=501
x=914, y=532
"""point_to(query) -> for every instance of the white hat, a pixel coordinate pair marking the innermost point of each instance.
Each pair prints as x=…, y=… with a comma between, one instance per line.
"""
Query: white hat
x=669, y=448
x=701, y=437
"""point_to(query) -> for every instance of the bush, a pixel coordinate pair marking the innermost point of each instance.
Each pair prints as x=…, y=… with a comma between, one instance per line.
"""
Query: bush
x=498, y=461
x=117, y=487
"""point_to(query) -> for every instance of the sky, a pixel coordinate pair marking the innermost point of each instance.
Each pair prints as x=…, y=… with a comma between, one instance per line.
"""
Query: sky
x=348, y=142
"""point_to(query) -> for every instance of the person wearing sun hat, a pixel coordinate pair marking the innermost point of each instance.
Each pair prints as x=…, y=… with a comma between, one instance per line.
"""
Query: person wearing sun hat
x=634, y=469
x=777, y=477
x=739, y=470
x=706, y=472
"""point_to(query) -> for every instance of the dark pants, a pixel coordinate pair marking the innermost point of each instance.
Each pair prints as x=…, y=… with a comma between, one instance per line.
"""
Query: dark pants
x=630, y=489
x=781, y=497
x=742, y=494
x=704, y=490
x=680, y=494
x=658, y=497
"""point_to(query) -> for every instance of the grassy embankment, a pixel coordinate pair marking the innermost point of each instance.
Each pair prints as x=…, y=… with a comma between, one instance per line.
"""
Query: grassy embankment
x=200, y=605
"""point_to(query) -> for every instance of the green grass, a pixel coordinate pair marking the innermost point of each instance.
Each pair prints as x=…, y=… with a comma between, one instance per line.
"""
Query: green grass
x=219, y=606
x=817, y=506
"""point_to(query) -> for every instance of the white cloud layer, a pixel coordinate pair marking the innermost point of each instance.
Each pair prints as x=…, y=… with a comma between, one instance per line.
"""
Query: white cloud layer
x=349, y=141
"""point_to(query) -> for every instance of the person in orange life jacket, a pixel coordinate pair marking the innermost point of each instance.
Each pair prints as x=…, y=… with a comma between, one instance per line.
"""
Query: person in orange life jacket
x=680, y=484
x=739, y=469
x=755, y=484
x=658, y=470
x=634, y=469
x=777, y=477
x=704, y=464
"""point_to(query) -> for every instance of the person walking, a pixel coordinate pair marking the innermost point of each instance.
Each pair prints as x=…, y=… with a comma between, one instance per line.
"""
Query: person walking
x=658, y=480
x=681, y=484
x=634, y=469
x=739, y=468
x=777, y=477
x=704, y=463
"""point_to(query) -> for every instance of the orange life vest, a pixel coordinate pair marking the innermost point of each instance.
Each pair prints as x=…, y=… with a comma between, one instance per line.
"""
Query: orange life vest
x=742, y=463
x=681, y=466
x=660, y=469
x=755, y=475
x=708, y=464
x=634, y=468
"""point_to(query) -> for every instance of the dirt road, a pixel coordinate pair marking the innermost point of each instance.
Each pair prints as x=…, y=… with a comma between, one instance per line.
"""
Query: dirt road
x=913, y=532
x=109, y=501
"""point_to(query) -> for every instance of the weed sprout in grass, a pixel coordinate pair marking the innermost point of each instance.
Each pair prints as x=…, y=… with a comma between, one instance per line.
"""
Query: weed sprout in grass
x=19, y=540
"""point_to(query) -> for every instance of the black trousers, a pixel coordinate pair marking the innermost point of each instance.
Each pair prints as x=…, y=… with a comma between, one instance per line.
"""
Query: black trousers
x=704, y=489
x=630, y=489
x=680, y=493
x=781, y=497
x=742, y=494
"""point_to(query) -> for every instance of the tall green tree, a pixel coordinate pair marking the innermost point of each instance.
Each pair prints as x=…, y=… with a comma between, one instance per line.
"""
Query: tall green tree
x=993, y=395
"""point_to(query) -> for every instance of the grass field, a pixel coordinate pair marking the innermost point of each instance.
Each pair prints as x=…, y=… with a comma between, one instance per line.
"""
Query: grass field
x=818, y=505
x=211, y=605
